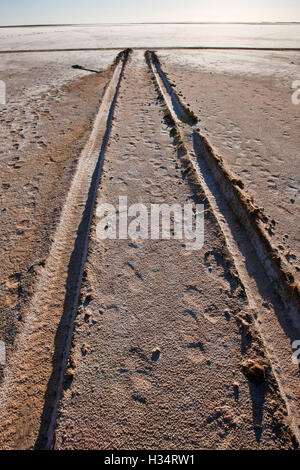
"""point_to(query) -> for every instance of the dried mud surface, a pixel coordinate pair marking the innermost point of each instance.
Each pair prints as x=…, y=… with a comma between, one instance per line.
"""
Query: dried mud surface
x=42, y=141
x=161, y=332
x=167, y=350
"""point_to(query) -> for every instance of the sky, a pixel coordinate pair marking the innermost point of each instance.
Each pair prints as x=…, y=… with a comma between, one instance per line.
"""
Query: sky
x=22, y=12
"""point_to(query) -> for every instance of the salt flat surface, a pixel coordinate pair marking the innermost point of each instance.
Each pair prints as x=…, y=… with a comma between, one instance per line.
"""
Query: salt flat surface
x=273, y=64
x=253, y=123
x=151, y=35
x=28, y=75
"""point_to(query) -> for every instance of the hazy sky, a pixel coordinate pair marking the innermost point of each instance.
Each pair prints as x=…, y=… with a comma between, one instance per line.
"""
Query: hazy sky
x=14, y=12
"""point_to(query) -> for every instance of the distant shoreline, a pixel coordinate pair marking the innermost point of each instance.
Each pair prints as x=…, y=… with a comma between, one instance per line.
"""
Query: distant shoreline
x=263, y=23
x=158, y=48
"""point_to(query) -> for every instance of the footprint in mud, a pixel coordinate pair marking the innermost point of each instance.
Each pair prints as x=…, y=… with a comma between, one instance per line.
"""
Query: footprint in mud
x=192, y=314
x=155, y=354
x=212, y=314
x=87, y=300
x=224, y=271
x=193, y=288
x=195, y=352
x=162, y=171
x=41, y=143
x=24, y=224
x=120, y=180
x=155, y=191
x=191, y=297
x=224, y=418
x=13, y=290
x=113, y=309
x=141, y=385
x=139, y=398
x=196, y=356
x=30, y=188
x=139, y=366
x=195, y=305
x=129, y=269
x=196, y=346
x=133, y=245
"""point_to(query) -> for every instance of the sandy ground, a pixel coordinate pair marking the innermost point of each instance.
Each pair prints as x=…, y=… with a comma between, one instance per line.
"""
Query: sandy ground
x=157, y=347
x=245, y=109
x=161, y=333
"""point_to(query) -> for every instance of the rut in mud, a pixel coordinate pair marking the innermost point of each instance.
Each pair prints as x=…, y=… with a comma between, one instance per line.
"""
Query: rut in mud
x=162, y=332
x=271, y=290
x=33, y=377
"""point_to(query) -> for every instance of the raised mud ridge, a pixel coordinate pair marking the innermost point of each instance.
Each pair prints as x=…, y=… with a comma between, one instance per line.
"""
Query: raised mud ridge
x=34, y=376
x=205, y=168
x=249, y=214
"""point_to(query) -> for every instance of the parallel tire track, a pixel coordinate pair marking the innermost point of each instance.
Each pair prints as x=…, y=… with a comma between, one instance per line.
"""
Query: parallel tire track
x=149, y=349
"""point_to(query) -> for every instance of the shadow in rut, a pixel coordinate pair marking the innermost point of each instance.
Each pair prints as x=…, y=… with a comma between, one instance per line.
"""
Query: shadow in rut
x=75, y=271
x=183, y=113
x=258, y=394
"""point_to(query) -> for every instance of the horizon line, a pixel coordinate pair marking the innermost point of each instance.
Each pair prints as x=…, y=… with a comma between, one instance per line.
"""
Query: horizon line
x=36, y=25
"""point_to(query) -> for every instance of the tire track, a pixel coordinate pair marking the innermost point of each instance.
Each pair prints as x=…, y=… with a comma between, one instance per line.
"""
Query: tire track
x=272, y=292
x=249, y=214
x=161, y=333
x=33, y=378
